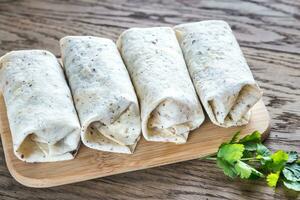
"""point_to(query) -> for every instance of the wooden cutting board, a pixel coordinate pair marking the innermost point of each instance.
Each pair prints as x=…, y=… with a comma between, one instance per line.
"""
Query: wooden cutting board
x=90, y=164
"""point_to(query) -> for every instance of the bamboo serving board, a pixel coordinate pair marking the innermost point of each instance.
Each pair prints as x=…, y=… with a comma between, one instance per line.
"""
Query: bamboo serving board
x=90, y=164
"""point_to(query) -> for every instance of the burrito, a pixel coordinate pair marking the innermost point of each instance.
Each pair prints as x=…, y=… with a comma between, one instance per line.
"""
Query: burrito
x=219, y=71
x=103, y=93
x=41, y=114
x=170, y=108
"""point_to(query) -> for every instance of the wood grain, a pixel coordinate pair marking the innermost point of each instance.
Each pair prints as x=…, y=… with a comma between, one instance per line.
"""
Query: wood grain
x=90, y=164
x=268, y=31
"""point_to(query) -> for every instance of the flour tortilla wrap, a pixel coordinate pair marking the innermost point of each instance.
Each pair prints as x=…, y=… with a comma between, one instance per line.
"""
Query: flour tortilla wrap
x=103, y=93
x=170, y=108
x=41, y=114
x=219, y=71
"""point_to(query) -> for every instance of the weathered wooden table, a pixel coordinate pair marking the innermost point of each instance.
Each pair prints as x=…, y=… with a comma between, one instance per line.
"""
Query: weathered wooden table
x=269, y=34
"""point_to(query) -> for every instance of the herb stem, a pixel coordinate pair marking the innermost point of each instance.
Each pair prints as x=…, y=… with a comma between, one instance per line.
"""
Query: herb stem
x=243, y=159
x=210, y=158
x=250, y=159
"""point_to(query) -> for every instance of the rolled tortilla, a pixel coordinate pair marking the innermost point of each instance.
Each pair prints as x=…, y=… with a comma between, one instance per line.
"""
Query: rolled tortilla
x=103, y=93
x=170, y=108
x=41, y=114
x=219, y=71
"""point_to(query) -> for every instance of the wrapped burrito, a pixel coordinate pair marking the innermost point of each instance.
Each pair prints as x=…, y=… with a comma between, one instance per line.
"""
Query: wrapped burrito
x=219, y=71
x=41, y=114
x=103, y=93
x=170, y=108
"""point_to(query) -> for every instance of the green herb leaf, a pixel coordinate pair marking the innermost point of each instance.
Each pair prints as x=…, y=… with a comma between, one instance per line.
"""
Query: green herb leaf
x=272, y=179
x=227, y=168
x=279, y=159
x=231, y=152
x=262, y=150
x=293, y=156
x=255, y=137
x=256, y=173
x=292, y=185
x=264, y=160
x=292, y=172
x=243, y=170
x=263, y=154
x=250, y=141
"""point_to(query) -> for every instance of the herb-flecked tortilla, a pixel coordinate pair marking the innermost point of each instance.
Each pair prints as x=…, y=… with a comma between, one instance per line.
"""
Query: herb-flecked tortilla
x=219, y=71
x=170, y=108
x=103, y=93
x=41, y=114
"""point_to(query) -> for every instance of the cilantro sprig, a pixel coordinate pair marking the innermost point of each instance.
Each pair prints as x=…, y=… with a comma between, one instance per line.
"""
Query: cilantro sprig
x=248, y=158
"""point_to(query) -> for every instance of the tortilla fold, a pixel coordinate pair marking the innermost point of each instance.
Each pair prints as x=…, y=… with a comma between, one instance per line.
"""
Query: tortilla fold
x=103, y=93
x=170, y=108
x=40, y=109
x=219, y=71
